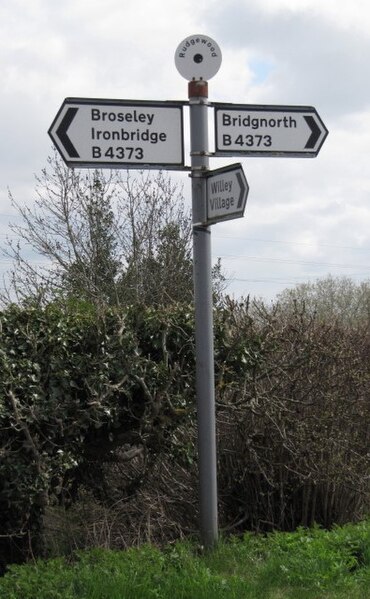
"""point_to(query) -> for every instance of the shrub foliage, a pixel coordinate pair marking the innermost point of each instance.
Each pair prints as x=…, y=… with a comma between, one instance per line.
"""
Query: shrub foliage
x=101, y=404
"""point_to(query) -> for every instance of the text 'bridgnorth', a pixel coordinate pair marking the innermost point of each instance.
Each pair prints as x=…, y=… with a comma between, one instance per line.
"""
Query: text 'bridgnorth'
x=286, y=122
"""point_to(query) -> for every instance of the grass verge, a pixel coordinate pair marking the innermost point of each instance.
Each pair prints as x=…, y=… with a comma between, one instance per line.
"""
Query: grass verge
x=309, y=564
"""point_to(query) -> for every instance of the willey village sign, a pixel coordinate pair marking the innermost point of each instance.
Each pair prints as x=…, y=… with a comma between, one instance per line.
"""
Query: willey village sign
x=101, y=133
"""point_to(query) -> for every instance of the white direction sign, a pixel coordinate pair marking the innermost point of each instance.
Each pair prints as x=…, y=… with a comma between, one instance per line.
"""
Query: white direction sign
x=119, y=133
x=250, y=130
x=227, y=192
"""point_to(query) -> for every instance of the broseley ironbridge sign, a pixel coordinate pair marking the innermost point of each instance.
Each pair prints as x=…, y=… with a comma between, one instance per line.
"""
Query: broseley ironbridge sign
x=136, y=134
x=119, y=133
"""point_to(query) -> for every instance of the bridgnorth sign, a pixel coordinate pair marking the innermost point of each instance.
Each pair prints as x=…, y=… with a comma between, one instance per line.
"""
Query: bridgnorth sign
x=249, y=130
x=119, y=133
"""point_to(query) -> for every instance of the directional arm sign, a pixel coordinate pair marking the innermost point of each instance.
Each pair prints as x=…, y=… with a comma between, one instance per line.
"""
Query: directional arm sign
x=119, y=133
x=250, y=130
x=227, y=192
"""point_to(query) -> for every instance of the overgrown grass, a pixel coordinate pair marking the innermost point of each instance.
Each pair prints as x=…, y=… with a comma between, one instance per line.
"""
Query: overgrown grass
x=306, y=564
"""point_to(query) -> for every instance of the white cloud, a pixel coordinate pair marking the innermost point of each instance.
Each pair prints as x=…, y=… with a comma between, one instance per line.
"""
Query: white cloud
x=300, y=212
x=345, y=15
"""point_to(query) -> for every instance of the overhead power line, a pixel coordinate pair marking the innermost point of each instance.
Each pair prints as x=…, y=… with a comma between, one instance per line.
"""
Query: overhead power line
x=285, y=261
x=300, y=243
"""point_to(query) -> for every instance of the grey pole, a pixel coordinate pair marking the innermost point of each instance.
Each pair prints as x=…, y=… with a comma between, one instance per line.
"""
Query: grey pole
x=203, y=301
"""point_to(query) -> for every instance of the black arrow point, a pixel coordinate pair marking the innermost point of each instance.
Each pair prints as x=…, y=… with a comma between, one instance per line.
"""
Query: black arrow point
x=315, y=132
x=242, y=190
x=62, y=132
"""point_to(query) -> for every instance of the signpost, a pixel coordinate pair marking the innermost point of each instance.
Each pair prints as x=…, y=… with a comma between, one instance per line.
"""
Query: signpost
x=249, y=130
x=119, y=133
x=227, y=192
x=95, y=133
x=198, y=61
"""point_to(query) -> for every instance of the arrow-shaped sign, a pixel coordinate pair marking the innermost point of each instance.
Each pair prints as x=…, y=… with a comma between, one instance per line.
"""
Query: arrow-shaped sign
x=252, y=130
x=119, y=133
x=227, y=192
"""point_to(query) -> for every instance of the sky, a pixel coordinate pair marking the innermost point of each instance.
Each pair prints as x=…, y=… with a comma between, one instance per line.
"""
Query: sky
x=305, y=218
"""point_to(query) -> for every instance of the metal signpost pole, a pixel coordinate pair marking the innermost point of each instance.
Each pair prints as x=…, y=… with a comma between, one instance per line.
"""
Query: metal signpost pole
x=198, y=58
x=203, y=302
